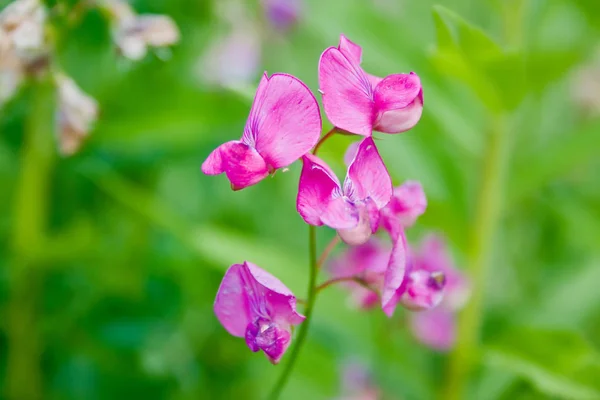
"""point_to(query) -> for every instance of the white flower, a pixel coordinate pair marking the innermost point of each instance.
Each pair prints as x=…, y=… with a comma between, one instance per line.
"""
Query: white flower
x=76, y=114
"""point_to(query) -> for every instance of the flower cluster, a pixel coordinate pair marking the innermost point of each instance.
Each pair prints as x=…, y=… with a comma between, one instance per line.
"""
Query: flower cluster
x=284, y=125
x=25, y=51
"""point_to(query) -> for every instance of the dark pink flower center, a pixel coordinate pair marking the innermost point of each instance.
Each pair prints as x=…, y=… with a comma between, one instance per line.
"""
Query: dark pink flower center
x=264, y=334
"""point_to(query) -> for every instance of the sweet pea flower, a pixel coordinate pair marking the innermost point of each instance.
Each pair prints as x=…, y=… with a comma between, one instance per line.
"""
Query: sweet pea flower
x=134, y=33
x=437, y=327
x=253, y=304
x=380, y=268
x=407, y=203
x=359, y=103
x=283, y=125
x=352, y=208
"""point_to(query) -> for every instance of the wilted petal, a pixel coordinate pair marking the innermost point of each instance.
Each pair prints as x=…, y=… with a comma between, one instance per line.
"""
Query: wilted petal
x=398, y=103
x=319, y=200
x=285, y=122
x=253, y=304
x=369, y=176
x=241, y=163
x=435, y=328
x=347, y=93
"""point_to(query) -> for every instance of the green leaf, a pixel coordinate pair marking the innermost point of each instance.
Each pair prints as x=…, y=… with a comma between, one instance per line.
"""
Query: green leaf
x=558, y=363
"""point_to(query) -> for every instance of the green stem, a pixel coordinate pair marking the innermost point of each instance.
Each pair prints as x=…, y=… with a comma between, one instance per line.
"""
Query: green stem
x=24, y=378
x=481, y=238
x=329, y=134
x=303, y=330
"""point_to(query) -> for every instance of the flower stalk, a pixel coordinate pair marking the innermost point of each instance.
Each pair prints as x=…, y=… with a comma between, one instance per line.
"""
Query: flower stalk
x=24, y=378
x=481, y=238
x=310, y=302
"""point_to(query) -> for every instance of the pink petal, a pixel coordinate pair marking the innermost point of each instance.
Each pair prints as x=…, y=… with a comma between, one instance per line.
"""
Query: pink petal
x=361, y=231
x=241, y=163
x=281, y=300
x=394, y=276
x=368, y=174
x=373, y=256
x=407, y=203
x=347, y=93
x=351, y=153
x=285, y=121
x=436, y=328
x=230, y=306
x=398, y=103
x=319, y=200
x=373, y=80
x=350, y=50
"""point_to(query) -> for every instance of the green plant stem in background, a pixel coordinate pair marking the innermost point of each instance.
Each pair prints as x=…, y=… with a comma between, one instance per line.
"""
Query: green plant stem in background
x=329, y=134
x=24, y=378
x=310, y=302
x=481, y=237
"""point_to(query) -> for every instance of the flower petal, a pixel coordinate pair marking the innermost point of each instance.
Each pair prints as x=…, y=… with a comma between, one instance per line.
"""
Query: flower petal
x=368, y=175
x=350, y=50
x=347, y=93
x=285, y=122
x=318, y=200
x=241, y=163
x=436, y=328
x=280, y=299
x=394, y=276
x=398, y=103
x=361, y=231
x=407, y=203
x=231, y=306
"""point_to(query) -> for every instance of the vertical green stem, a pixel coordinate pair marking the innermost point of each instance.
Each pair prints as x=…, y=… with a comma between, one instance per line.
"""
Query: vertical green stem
x=310, y=302
x=481, y=237
x=24, y=379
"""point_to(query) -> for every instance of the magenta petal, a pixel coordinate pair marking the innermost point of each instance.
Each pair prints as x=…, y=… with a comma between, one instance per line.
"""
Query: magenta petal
x=347, y=93
x=369, y=176
x=350, y=50
x=285, y=122
x=398, y=103
x=407, y=203
x=394, y=276
x=424, y=290
x=253, y=304
x=241, y=163
x=319, y=198
x=435, y=328
x=372, y=256
x=351, y=153
x=374, y=80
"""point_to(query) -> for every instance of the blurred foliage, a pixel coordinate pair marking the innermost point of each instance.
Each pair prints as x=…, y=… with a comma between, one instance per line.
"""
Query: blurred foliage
x=119, y=288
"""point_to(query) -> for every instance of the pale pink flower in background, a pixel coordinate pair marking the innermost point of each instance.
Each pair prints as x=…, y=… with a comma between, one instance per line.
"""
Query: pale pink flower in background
x=282, y=14
x=134, y=34
x=77, y=112
x=253, y=304
x=352, y=208
x=284, y=124
x=232, y=60
x=585, y=87
x=437, y=327
x=357, y=384
x=407, y=203
x=359, y=103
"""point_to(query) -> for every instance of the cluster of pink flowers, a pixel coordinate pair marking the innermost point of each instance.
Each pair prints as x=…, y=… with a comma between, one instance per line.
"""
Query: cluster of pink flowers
x=284, y=125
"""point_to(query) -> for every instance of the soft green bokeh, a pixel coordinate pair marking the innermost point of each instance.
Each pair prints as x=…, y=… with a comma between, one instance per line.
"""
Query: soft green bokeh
x=116, y=296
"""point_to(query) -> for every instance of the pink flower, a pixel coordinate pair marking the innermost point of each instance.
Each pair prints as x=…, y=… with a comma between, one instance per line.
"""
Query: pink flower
x=437, y=327
x=253, y=304
x=376, y=265
x=283, y=125
x=357, y=383
x=407, y=203
x=352, y=209
x=359, y=103
x=282, y=14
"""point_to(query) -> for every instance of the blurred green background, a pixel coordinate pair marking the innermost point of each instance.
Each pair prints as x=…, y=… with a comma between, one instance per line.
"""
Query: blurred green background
x=125, y=243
